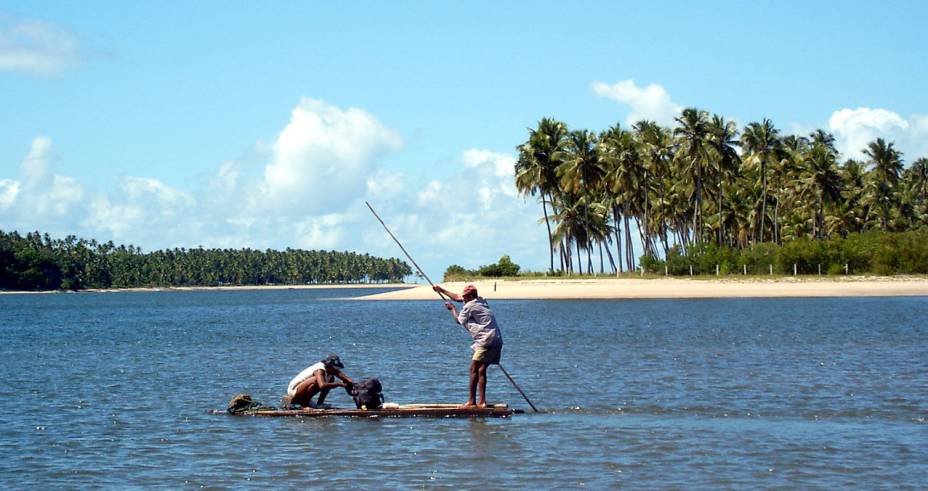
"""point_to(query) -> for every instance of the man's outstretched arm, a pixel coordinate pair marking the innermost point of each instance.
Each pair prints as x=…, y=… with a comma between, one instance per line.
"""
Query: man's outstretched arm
x=449, y=294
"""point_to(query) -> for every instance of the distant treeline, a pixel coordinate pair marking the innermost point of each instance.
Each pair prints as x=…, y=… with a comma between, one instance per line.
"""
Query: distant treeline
x=38, y=262
x=504, y=267
x=882, y=253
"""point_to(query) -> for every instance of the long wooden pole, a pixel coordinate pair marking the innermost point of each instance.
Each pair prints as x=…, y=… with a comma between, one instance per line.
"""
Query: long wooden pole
x=514, y=384
x=440, y=294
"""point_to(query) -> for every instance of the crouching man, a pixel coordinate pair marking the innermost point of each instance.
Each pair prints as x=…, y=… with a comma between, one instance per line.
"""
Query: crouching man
x=318, y=378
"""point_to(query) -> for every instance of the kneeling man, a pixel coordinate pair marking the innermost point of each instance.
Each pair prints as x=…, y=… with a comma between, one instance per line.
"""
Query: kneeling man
x=318, y=378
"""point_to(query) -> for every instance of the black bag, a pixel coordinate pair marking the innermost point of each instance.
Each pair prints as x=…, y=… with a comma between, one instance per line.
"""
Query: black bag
x=367, y=394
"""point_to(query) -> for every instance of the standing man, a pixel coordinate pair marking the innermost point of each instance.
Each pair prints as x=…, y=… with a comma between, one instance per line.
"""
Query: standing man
x=478, y=319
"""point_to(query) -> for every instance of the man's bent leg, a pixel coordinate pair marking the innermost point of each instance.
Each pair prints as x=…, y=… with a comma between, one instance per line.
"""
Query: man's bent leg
x=304, y=393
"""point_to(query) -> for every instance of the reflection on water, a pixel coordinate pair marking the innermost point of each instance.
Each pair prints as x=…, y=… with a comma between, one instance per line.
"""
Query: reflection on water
x=112, y=390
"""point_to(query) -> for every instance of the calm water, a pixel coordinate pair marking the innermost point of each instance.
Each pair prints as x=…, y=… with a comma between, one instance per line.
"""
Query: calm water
x=112, y=389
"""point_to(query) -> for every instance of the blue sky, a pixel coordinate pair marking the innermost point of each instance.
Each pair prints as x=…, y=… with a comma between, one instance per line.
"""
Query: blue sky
x=180, y=124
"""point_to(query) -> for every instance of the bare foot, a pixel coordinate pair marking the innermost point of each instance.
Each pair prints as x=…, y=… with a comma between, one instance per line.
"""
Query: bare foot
x=482, y=405
x=468, y=404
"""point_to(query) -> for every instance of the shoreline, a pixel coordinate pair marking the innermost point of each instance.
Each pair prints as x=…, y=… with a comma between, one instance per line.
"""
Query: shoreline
x=603, y=288
x=215, y=288
x=676, y=288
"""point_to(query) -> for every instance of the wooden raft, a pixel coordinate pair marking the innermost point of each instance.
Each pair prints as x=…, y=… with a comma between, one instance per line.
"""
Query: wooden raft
x=392, y=410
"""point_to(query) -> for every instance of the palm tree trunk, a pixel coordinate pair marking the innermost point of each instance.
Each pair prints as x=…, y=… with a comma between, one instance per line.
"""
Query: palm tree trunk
x=698, y=205
x=618, y=235
x=763, y=198
x=629, y=251
x=544, y=207
x=589, y=257
x=579, y=257
x=611, y=259
x=721, y=232
x=602, y=267
x=568, y=254
x=776, y=220
x=647, y=245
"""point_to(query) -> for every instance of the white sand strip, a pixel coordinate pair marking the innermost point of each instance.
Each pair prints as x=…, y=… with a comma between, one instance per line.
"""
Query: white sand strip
x=854, y=286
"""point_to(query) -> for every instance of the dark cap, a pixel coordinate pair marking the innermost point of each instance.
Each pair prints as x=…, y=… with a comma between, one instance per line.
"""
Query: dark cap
x=332, y=361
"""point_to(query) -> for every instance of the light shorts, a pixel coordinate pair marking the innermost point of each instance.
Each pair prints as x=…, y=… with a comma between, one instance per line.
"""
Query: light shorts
x=490, y=356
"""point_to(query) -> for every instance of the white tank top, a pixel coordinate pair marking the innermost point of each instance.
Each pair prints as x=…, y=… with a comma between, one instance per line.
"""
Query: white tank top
x=306, y=375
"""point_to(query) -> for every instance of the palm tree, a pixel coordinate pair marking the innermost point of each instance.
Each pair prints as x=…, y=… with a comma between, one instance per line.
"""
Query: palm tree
x=580, y=169
x=723, y=140
x=656, y=151
x=916, y=179
x=824, y=138
x=763, y=147
x=917, y=175
x=619, y=155
x=822, y=180
x=887, y=165
x=693, y=155
x=582, y=220
x=535, y=170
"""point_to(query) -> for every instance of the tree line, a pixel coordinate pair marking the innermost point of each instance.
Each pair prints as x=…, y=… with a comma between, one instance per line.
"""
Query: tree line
x=38, y=262
x=705, y=182
x=503, y=267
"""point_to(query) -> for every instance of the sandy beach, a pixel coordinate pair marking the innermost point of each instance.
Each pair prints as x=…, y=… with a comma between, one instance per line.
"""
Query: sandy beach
x=629, y=288
x=230, y=288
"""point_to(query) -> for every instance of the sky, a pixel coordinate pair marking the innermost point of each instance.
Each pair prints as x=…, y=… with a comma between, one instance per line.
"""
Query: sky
x=269, y=124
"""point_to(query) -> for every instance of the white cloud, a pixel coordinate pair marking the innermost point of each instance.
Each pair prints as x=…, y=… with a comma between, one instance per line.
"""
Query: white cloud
x=503, y=164
x=385, y=183
x=35, y=47
x=433, y=194
x=855, y=128
x=471, y=216
x=227, y=177
x=324, y=156
x=40, y=192
x=9, y=189
x=323, y=232
x=142, y=207
x=651, y=102
x=35, y=168
x=64, y=192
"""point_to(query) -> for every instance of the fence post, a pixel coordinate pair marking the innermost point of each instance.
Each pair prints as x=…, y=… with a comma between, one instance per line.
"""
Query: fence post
x=845, y=268
x=819, y=269
x=771, y=269
x=745, y=266
x=691, y=270
x=716, y=269
x=666, y=272
x=794, y=269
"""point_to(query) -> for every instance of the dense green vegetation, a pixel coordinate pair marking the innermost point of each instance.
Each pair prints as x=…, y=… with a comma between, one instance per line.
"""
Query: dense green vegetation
x=704, y=188
x=503, y=267
x=883, y=253
x=38, y=262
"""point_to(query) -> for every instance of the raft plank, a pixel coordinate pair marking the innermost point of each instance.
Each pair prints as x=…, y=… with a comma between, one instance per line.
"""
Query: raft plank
x=408, y=410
